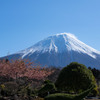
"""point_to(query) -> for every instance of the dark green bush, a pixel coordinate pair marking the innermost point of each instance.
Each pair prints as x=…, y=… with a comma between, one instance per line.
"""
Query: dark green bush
x=60, y=96
x=10, y=88
x=47, y=81
x=49, y=87
x=25, y=91
x=75, y=78
x=63, y=96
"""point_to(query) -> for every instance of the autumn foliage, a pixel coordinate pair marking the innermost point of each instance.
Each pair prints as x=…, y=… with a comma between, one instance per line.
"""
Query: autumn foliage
x=20, y=68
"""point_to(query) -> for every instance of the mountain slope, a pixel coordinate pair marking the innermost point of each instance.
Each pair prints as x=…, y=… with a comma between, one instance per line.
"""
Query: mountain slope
x=60, y=50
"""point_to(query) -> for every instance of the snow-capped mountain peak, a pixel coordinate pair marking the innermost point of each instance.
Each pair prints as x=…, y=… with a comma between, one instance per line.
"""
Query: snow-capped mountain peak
x=60, y=50
x=60, y=43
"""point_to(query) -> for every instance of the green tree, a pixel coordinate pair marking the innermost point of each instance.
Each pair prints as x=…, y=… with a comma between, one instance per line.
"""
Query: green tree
x=47, y=89
x=75, y=78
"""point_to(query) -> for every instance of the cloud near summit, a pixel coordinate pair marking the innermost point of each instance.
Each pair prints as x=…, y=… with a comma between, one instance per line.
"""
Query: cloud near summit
x=68, y=34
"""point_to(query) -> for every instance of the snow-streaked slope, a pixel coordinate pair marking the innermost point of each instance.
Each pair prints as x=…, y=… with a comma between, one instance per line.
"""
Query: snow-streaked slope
x=60, y=43
x=60, y=50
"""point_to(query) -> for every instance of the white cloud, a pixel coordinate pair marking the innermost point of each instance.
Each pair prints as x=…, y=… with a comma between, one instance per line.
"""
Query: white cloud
x=68, y=34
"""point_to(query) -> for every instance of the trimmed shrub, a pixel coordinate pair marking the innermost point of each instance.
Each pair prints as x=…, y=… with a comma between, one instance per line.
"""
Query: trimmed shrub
x=75, y=78
x=49, y=87
x=63, y=96
x=60, y=96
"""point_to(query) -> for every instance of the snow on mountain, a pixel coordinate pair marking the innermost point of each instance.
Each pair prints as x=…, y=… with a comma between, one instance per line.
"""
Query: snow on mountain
x=60, y=50
x=60, y=43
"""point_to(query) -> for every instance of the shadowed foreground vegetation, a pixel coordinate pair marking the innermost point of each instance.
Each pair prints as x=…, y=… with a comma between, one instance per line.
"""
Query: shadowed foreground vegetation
x=22, y=80
x=64, y=96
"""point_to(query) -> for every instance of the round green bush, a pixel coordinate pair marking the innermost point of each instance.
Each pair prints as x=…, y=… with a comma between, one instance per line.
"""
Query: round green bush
x=49, y=87
x=75, y=78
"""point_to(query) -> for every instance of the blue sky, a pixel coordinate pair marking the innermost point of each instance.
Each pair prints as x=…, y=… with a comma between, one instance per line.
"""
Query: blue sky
x=25, y=22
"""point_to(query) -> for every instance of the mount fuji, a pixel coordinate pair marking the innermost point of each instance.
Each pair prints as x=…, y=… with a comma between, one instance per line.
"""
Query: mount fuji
x=59, y=50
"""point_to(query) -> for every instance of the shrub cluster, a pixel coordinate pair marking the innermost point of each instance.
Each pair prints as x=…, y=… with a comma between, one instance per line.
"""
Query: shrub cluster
x=75, y=78
x=23, y=81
